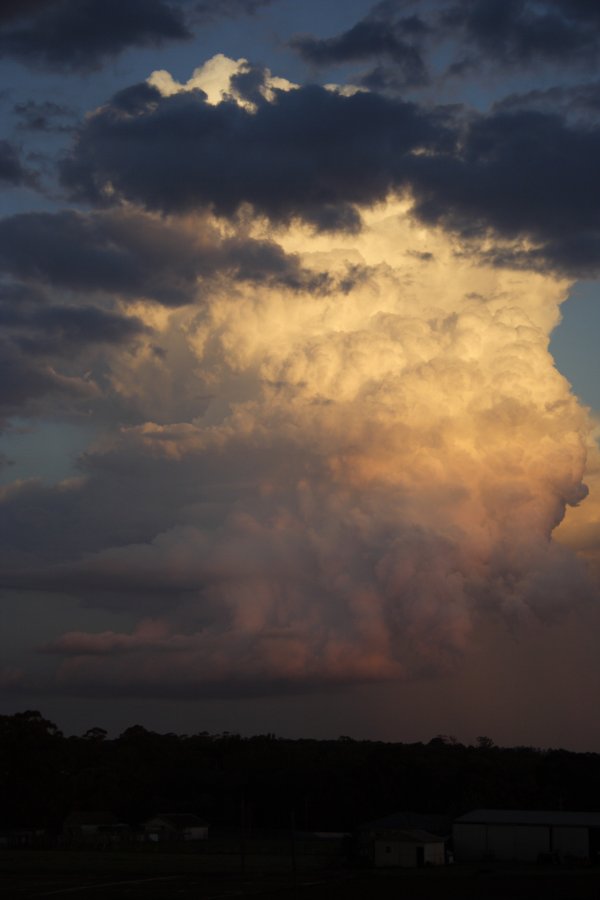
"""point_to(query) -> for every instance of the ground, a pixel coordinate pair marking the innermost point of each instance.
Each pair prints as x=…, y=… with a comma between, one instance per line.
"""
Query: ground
x=112, y=875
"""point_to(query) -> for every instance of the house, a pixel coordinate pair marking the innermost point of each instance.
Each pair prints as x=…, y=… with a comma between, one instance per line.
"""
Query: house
x=404, y=839
x=527, y=835
x=175, y=827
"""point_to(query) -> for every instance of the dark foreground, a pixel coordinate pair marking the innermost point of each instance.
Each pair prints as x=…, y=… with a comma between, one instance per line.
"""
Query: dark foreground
x=176, y=876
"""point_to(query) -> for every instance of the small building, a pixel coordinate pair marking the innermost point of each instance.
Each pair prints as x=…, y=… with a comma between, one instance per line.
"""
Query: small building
x=408, y=849
x=176, y=827
x=404, y=840
x=526, y=835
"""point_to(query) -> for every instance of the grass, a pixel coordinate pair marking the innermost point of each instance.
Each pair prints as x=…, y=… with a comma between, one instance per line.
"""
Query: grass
x=148, y=875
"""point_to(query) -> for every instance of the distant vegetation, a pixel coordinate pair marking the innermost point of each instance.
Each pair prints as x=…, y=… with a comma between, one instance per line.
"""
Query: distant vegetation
x=328, y=785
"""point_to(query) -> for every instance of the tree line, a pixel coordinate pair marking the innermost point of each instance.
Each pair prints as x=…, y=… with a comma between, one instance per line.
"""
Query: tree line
x=328, y=784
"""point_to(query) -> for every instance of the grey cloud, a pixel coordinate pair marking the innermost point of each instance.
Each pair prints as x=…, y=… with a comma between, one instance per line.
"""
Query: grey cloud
x=573, y=101
x=311, y=154
x=46, y=348
x=81, y=34
x=207, y=10
x=26, y=381
x=58, y=330
x=136, y=255
x=398, y=39
x=523, y=32
x=522, y=174
x=43, y=116
x=129, y=254
x=12, y=170
x=318, y=156
x=20, y=9
x=403, y=37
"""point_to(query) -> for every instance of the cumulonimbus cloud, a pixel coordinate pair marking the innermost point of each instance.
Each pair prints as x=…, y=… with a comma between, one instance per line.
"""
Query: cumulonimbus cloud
x=373, y=472
x=329, y=463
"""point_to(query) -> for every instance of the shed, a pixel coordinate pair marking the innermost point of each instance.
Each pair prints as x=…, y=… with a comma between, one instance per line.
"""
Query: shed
x=527, y=835
x=404, y=839
x=408, y=849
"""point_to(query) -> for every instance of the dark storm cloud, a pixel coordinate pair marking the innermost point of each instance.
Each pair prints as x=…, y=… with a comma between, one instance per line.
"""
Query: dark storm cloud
x=136, y=255
x=81, y=34
x=133, y=497
x=524, y=174
x=39, y=339
x=403, y=36
x=14, y=293
x=311, y=154
x=43, y=116
x=316, y=155
x=522, y=32
x=12, y=170
x=21, y=380
x=126, y=254
x=380, y=34
x=206, y=10
x=580, y=100
x=19, y=9
x=60, y=330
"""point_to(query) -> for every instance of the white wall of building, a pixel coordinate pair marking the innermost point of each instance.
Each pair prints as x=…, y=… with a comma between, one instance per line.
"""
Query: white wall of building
x=571, y=842
x=523, y=842
x=406, y=854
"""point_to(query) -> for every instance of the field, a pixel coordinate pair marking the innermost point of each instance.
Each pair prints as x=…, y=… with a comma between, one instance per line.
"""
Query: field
x=113, y=875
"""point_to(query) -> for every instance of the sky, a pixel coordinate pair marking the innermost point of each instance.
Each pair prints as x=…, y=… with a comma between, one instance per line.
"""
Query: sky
x=299, y=307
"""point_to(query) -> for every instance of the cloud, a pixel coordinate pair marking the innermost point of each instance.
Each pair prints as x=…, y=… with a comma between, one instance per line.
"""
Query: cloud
x=379, y=35
x=79, y=307
x=500, y=183
x=579, y=101
x=62, y=329
x=372, y=473
x=310, y=153
x=319, y=156
x=219, y=78
x=19, y=9
x=80, y=35
x=404, y=38
x=517, y=33
x=12, y=170
x=48, y=348
x=138, y=256
x=26, y=381
x=211, y=9
x=43, y=116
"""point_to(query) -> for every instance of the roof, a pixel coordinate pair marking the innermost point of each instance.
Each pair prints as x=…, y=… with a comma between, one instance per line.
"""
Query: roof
x=410, y=836
x=434, y=823
x=530, y=817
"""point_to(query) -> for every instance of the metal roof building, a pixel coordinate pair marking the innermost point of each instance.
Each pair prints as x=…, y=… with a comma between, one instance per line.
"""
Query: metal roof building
x=525, y=834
